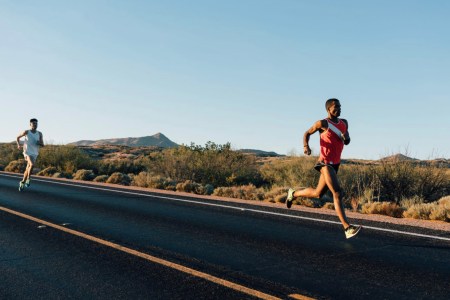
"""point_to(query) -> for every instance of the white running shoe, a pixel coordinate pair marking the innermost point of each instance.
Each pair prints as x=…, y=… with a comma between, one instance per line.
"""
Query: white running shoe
x=290, y=198
x=352, y=230
x=21, y=186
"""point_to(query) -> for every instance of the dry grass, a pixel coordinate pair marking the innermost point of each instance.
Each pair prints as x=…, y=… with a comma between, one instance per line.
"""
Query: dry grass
x=101, y=178
x=147, y=180
x=439, y=210
x=190, y=186
x=328, y=205
x=119, y=178
x=16, y=166
x=48, y=172
x=383, y=208
x=86, y=175
x=276, y=195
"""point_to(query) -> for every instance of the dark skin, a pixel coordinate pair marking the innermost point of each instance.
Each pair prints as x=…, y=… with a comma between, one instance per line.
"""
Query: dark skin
x=328, y=177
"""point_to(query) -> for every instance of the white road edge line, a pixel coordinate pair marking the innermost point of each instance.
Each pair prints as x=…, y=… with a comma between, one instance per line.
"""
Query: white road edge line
x=239, y=208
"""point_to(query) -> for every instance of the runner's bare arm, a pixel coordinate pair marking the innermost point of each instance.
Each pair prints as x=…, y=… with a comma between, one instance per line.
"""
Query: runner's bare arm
x=317, y=126
x=22, y=134
x=41, y=140
x=346, y=135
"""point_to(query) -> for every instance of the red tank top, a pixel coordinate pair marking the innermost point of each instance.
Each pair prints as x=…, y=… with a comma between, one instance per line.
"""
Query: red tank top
x=331, y=144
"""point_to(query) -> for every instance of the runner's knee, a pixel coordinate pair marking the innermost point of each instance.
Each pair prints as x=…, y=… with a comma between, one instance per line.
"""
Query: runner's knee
x=338, y=193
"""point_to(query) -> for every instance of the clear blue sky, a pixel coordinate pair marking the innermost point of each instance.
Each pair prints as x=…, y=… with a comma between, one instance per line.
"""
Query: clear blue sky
x=255, y=73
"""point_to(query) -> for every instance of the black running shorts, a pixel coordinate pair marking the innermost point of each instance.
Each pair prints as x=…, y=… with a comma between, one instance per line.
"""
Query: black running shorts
x=321, y=164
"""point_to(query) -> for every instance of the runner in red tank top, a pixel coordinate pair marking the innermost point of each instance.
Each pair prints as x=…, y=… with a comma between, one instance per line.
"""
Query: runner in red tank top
x=333, y=136
x=331, y=142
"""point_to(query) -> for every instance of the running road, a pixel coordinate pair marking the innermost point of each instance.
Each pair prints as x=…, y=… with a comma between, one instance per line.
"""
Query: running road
x=74, y=240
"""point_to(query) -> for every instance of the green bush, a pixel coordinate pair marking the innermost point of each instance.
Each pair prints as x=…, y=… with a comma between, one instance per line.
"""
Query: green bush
x=209, y=189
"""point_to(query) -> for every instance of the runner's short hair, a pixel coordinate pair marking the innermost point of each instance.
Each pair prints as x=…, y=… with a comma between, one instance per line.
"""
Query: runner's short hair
x=33, y=120
x=330, y=102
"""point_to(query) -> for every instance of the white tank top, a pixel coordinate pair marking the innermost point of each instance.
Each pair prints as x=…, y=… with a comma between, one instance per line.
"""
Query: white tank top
x=30, y=146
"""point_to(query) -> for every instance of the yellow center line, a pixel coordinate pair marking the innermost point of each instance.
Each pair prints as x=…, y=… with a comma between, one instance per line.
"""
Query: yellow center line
x=211, y=278
x=300, y=297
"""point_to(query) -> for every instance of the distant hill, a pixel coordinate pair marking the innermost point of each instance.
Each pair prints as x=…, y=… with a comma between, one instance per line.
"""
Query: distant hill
x=158, y=140
x=398, y=157
x=260, y=153
x=437, y=162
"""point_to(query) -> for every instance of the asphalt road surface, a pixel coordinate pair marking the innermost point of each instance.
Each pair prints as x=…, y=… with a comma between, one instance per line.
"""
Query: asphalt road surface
x=78, y=241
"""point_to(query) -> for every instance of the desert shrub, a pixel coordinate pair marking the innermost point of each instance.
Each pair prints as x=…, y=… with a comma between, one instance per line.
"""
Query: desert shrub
x=9, y=153
x=246, y=192
x=86, y=175
x=101, y=178
x=419, y=211
x=224, y=191
x=16, y=166
x=213, y=164
x=48, y=172
x=190, y=186
x=328, y=205
x=209, y=189
x=438, y=210
x=408, y=202
x=251, y=192
x=383, y=208
x=62, y=175
x=147, y=180
x=292, y=171
x=401, y=179
x=276, y=195
x=439, y=213
x=119, y=178
x=310, y=202
x=125, y=166
x=445, y=203
x=64, y=158
x=359, y=185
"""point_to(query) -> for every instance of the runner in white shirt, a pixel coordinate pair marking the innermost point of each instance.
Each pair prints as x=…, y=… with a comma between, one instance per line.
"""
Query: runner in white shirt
x=33, y=140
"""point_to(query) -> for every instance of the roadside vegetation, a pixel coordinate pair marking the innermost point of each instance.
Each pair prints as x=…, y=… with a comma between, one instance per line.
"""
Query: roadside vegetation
x=393, y=187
